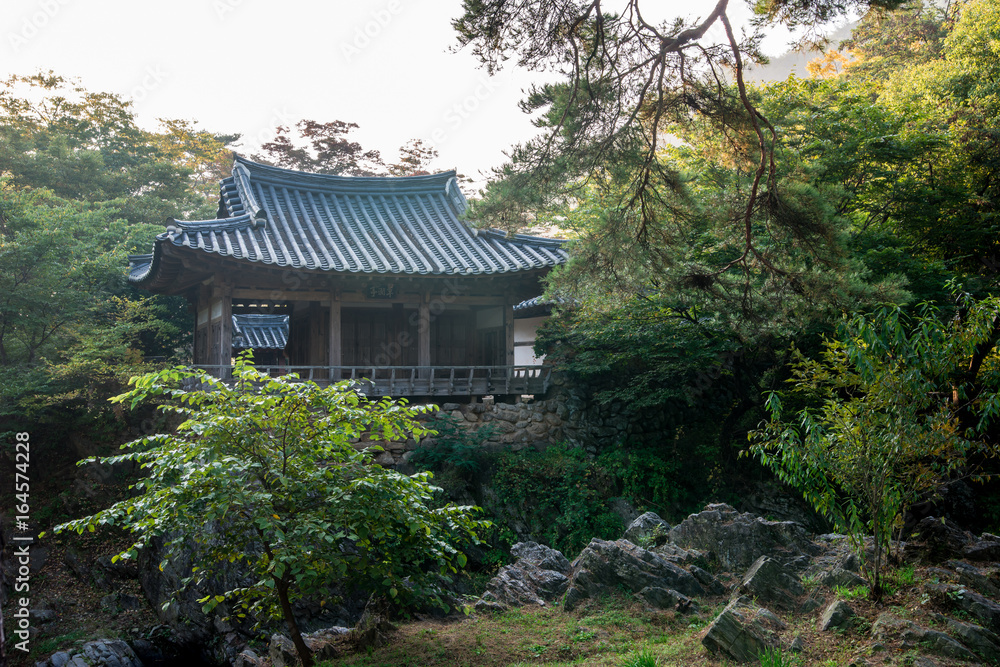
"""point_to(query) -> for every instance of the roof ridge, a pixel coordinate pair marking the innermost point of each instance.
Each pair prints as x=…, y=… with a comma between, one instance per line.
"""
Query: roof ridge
x=261, y=171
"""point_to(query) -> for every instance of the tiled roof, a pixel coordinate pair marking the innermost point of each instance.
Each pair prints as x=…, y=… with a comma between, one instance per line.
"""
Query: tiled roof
x=260, y=331
x=382, y=225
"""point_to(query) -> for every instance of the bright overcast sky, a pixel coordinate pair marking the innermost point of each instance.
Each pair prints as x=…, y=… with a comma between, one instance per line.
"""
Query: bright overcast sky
x=246, y=66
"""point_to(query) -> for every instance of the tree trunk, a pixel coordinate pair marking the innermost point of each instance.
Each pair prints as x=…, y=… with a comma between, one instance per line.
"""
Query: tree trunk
x=305, y=655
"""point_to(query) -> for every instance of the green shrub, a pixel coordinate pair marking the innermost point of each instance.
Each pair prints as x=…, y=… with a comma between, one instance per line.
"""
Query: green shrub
x=454, y=447
x=560, y=494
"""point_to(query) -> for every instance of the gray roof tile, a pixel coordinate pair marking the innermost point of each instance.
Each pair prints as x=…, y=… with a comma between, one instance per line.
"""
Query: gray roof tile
x=409, y=225
x=260, y=331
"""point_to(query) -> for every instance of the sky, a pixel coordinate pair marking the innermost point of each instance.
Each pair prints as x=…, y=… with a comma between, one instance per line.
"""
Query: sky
x=248, y=66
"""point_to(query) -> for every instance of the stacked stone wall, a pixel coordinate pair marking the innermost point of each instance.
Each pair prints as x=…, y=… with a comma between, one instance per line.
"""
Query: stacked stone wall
x=565, y=416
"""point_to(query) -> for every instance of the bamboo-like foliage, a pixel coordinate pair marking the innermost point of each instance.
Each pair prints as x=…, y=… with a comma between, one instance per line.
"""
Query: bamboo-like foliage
x=893, y=407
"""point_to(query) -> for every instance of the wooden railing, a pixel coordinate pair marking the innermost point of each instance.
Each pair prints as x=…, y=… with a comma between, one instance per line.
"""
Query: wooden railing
x=418, y=380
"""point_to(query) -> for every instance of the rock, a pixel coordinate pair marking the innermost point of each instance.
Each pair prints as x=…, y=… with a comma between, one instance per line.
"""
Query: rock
x=985, y=548
x=797, y=645
x=682, y=557
x=37, y=557
x=604, y=567
x=148, y=652
x=912, y=635
x=769, y=582
x=981, y=608
x=981, y=641
x=973, y=577
x=76, y=565
x=282, y=651
x=100, y=653
x=648, y=528
x=541, y=556
x=248, y=658
x=121, y=569
x=667, y=598
x=838, y=616
x=322, y=643
x=742, y=631
x=779, y=503
x=737, y=540
x=937, y=540
x=522, y=583
x=840, y=577
x=42, y=615
x=711, y=585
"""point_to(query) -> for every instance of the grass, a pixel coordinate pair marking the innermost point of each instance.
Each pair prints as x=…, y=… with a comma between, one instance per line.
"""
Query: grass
x=612, y=633
x=856, y=593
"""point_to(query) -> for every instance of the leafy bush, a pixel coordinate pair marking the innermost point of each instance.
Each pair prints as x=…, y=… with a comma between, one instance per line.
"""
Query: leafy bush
x=560, y=494
x=455, y=447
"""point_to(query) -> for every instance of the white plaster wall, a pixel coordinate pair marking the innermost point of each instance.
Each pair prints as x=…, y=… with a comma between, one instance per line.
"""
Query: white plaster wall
x=524, y=331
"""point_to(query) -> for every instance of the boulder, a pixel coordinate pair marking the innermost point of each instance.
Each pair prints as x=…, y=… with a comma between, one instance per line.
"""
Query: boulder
x=666, y=598
x=248, y=658
x=647, y=530
x=890, y=627
x=983, y=609
x=937, y=540
x=769, y=582
x=522, y=583
x=838, y=576
x=743, y=631
x=837, y=616
x=322, y=643
x=541, y=556
x=604, y=567
x=985, y=548
x=100, y=653
x=682, y=557
x=981, y=641
x=736, y=540
x=973, y=577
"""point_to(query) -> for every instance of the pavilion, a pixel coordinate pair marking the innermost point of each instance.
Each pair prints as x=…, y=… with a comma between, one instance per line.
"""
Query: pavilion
x=379, y=278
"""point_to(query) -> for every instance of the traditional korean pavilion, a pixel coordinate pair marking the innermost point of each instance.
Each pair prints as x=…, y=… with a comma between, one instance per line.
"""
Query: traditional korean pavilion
x=376, y=278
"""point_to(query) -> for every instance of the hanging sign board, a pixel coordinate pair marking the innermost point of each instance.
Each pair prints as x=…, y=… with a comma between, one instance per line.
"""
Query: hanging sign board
x=381, y=291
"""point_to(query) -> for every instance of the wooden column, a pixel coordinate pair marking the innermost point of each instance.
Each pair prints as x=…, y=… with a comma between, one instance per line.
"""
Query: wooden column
x=335, y=354
x=508, y=330
x=424, y=333
x=223, y=302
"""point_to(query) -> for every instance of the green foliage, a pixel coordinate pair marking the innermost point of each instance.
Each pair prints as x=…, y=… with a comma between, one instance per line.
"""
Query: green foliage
x=80, y=187
x=893, y=407
x=263, y=473
x=856, y=593
x=670, y=479
x=559, y=493
x=775, y=657
x=455, y=447
x=644, y=658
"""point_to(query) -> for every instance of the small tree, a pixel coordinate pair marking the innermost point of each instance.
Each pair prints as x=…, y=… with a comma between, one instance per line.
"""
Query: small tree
x=892, y=408
x=263, y=472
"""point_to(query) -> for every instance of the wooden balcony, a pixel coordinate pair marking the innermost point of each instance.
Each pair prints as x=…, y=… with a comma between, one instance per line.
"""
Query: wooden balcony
x=418, y=380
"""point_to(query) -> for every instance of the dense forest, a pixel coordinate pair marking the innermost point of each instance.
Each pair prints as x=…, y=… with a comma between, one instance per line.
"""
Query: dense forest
x=802, y=276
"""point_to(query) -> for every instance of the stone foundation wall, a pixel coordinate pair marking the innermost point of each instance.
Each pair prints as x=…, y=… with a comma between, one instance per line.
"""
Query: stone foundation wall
x=566, y=416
